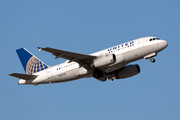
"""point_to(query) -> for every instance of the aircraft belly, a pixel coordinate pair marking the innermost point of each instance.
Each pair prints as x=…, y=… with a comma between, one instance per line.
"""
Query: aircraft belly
x=65, y=76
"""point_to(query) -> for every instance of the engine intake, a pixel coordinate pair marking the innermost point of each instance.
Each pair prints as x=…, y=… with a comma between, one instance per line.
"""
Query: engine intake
x=104, y=60
x=127, y=71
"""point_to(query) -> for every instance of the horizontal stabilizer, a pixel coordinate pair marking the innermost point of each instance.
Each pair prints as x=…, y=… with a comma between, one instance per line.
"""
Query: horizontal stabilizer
x=23, y=76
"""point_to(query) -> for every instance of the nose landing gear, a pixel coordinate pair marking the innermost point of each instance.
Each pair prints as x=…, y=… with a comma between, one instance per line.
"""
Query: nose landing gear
x=150, y=57
x=152, y=60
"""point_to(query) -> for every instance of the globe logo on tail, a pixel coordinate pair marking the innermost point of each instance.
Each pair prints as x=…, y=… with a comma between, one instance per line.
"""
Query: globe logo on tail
x=34, y=65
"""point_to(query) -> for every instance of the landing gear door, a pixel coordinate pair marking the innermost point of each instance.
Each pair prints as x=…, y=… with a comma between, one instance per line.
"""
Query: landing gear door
x=141, y=43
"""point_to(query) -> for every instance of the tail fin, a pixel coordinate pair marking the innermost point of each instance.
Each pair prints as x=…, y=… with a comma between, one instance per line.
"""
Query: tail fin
x=30, y=63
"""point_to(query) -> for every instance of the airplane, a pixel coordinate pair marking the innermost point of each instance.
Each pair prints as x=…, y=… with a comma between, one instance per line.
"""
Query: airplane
x=108, y=64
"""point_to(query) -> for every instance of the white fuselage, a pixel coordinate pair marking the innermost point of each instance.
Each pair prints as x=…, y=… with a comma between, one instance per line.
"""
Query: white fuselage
x=125, y=53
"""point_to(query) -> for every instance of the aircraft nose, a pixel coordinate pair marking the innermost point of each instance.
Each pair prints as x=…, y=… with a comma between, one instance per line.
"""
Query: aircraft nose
x=164, y=43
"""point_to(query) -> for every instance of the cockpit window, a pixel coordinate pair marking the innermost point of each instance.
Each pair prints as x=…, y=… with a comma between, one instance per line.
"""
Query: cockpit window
x=152, y=39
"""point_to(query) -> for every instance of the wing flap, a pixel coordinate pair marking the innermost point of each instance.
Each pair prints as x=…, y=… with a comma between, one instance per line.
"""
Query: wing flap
x=23, y=76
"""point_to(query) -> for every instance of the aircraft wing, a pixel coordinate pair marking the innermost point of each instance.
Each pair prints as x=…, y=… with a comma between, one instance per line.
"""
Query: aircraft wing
x=82, y=59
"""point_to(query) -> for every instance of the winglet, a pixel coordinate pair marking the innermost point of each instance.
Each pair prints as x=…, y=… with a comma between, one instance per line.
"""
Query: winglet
x=39, y=48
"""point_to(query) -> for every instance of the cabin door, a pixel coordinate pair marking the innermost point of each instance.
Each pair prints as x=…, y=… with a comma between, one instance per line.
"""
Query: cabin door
x=49, y=72
x=140, y=43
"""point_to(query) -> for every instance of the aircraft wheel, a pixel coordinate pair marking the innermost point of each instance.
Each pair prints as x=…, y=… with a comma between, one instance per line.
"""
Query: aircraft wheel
x=152, y=60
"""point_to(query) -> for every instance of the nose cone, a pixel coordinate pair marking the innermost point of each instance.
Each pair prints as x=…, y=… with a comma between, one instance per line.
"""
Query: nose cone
x=164, y=44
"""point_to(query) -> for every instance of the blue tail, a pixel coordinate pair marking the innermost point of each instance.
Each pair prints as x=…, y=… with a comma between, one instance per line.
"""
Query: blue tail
x=30, y=63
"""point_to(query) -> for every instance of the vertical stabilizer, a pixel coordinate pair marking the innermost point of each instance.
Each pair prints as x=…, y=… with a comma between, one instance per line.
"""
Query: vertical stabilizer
x=30, y=63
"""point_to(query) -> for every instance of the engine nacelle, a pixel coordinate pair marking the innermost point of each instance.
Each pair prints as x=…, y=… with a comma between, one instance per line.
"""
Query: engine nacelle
x=84, y=72
x=104, y=60
x=100, y=75
x=127, y=71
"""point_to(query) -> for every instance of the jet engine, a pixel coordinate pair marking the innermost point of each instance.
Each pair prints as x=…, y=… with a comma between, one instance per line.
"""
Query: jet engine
x=100, y=75
x=127, y=71
x=104, y=60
